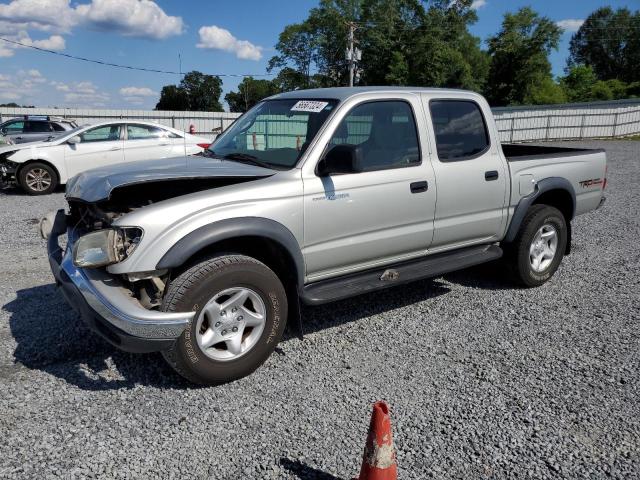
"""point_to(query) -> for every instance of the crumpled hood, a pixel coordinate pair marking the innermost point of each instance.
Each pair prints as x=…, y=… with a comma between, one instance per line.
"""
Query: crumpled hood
x=97, y=184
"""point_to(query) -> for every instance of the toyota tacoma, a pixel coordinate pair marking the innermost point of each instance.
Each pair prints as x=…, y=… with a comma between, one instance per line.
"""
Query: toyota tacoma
x=309, y=197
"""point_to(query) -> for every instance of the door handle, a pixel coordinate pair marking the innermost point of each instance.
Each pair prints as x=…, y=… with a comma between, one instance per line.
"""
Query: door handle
x=491, y=175
x=113, y=149
x=418, y=187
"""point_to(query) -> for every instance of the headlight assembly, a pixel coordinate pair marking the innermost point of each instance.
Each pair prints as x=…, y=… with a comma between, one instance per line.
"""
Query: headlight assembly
x=105, y=247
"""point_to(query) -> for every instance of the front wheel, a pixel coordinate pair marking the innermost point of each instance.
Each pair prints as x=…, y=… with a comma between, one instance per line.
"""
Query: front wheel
x=241, y=312
x=38, y=179
x=537, y=251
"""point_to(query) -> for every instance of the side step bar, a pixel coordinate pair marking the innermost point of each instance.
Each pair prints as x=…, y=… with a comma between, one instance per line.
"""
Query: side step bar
x=432, y=266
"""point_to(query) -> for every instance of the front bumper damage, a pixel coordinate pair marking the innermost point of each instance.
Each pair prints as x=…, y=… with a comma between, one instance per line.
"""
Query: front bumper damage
x=102, y=302
x=7, y=173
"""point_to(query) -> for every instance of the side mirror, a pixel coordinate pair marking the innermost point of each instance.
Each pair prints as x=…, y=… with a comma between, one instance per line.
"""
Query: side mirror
x=340, y=159
x=73, y=140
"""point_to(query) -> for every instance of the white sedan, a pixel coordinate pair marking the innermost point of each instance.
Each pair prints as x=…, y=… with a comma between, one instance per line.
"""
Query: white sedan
x=39, y=167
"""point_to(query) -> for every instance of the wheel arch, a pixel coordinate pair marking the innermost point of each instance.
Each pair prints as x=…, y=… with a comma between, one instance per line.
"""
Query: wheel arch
x=263, y=239
x=556, y=192
x=38, y=160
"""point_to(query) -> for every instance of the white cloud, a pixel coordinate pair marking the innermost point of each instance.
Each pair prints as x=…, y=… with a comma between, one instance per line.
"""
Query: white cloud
x=7, y=95
x=478, y=4
x=217, y=38
x=54, y=42
x=85, y=94
x=137, y=92
x=133, y=18
x=46, y=15
x=570, y=24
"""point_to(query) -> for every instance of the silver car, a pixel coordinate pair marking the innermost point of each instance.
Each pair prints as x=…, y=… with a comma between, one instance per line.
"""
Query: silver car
x=35, y=128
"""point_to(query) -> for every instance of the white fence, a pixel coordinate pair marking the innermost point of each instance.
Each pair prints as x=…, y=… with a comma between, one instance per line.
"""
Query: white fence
x=618, y=118
x=205, y=123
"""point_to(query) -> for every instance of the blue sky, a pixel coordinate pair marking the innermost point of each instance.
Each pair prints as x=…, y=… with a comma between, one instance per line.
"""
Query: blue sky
x=211, y=36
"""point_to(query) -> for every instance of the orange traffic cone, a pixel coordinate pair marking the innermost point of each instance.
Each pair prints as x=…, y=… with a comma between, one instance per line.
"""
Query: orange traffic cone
x=379, y=459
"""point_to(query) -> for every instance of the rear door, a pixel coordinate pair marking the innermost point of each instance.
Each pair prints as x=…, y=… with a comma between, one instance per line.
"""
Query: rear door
x=471, y=174
x=148, y=142
x=36, y=131
x=98, y=147
x=382, y=214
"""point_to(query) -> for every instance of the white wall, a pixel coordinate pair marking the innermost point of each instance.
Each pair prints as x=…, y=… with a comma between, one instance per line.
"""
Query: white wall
x=617, y=118
x=204, y=122
x=516, y=124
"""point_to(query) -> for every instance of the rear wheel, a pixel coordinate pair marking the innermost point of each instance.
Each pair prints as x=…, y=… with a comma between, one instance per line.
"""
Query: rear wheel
x=241, y=311
x=537, y=251
x=38, y=179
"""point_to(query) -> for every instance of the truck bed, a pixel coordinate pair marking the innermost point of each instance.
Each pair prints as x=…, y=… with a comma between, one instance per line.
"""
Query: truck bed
x=519, y=152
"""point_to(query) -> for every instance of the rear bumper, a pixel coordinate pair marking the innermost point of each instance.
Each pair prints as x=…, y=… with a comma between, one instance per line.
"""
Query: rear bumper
x=103, y=304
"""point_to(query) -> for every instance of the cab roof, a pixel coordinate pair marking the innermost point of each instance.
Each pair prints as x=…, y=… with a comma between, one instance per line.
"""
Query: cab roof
x=343, y=93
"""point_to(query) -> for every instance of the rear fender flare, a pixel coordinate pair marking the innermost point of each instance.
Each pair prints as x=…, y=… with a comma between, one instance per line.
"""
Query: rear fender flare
x=544, y=185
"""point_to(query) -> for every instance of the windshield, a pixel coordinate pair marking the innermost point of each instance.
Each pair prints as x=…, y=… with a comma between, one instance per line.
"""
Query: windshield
x=274, y=133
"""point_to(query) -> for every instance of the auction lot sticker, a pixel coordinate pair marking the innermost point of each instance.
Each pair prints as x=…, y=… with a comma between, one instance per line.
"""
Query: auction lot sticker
x=309, y=106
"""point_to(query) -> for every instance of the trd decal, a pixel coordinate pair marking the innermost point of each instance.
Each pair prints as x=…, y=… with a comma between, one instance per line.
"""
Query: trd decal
x=591, y=183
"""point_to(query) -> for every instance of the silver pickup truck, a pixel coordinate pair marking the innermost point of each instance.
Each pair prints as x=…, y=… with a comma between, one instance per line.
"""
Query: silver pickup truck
x=311, y=196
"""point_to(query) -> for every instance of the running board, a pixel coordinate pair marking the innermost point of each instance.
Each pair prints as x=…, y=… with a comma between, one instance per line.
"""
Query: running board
x=431, y=266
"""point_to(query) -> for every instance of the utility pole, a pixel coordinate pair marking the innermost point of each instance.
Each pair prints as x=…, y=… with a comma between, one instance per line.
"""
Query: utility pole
x=350, y=53
x=353, y=53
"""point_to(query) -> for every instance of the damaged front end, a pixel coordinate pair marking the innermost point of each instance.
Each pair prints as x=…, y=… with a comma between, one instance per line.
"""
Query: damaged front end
x=125, y=308
x=8, y=169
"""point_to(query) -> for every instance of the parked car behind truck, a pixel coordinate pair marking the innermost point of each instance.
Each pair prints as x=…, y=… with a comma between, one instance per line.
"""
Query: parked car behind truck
x=35, y=128
x=40, y=167
x=208, y=260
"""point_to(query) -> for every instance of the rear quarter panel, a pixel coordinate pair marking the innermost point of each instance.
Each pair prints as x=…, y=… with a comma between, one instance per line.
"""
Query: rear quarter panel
x=585, y=171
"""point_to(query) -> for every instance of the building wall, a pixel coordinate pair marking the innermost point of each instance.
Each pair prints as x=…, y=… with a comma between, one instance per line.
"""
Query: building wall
x=516, y=124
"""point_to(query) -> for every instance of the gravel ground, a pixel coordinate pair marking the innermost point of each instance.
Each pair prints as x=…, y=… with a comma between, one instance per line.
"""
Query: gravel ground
x=484, y=381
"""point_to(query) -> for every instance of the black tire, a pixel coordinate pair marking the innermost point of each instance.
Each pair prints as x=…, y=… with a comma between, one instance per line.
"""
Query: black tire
x=29, y=175
x=518, y=253
x=195, y=287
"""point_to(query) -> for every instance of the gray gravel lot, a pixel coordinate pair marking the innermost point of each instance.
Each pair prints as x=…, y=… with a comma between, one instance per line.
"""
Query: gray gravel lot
x=484, y=380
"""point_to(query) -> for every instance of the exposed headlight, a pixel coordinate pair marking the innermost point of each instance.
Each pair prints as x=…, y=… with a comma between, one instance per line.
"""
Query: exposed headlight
x=105, y=247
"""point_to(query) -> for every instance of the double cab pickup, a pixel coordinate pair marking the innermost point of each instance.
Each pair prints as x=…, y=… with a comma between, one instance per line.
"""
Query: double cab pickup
x=309, y=197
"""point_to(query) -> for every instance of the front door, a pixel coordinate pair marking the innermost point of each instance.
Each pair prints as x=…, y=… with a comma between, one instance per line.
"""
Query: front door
x=98, y=147
x=383, y=213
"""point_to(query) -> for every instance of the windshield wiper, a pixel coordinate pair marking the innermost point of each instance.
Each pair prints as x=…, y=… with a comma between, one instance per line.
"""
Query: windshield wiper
x=246, y=158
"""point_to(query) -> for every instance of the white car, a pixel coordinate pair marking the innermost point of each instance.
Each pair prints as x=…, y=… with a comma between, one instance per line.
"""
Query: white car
x=39, y=167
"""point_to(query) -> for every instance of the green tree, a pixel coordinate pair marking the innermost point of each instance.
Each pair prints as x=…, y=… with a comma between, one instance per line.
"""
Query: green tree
x=582, y=85
x=578, y=83
x=609, y=42
x=197, y=92
x=519, y=52
x=545, y=92
x=402, y=43
x=250, y=91
x=173, y=97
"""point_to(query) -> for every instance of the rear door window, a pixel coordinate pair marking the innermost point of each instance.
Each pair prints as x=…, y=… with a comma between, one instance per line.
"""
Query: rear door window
x=460, y=129
x=37, y=127
x=145, y=132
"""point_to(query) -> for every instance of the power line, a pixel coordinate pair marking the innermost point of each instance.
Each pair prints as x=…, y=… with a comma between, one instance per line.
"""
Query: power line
x=127, y=67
